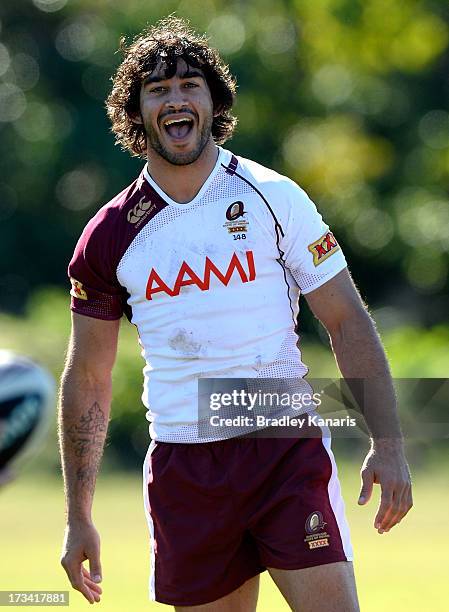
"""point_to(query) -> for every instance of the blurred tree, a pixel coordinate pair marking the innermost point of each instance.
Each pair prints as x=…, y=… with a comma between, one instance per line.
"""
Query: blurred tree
x=347, y=97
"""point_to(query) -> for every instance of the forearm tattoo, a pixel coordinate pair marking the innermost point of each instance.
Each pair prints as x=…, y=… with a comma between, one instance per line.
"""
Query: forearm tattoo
x=87, y=439
x=90, y=431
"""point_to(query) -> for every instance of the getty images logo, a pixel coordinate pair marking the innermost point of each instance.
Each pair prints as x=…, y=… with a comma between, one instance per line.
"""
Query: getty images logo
x=140, y=211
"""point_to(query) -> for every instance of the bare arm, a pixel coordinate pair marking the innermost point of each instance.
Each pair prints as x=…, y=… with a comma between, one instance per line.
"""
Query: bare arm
x=84, y=409
x=360, y=355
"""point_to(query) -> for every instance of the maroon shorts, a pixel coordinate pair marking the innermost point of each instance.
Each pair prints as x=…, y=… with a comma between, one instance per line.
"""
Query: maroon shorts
x=220, y=513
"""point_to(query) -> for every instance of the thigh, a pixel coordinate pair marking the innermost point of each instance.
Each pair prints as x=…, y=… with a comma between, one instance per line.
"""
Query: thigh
x=243, y=599
x=328, y=587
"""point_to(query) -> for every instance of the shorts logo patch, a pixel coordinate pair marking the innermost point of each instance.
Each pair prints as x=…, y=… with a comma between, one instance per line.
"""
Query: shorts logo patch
x=323, y=248
x=140, y=211
x=314, y=527
x=315, y=522
x=77, y=290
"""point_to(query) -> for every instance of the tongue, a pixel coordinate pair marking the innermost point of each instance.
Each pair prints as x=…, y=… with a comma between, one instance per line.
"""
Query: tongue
x=178, y=130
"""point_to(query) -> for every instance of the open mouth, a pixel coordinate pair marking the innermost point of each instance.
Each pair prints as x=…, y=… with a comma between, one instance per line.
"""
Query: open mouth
x=178, y=128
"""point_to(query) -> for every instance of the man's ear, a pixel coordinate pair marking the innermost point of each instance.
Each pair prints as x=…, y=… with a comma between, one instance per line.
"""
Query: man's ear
x=136, y=117
x=218, y=110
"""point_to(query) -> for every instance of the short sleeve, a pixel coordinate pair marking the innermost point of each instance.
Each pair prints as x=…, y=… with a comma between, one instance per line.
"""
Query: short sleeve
x=311, y=251
x=95, y=289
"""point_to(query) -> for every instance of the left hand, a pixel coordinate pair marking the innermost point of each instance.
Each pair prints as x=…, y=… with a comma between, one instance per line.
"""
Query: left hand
x=385, y=464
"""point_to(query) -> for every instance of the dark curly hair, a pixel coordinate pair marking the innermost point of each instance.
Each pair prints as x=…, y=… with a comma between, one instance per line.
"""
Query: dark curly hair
x=167, y=41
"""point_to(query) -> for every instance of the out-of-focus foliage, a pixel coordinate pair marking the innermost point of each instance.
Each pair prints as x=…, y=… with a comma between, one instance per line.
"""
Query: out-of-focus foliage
x=348, y=97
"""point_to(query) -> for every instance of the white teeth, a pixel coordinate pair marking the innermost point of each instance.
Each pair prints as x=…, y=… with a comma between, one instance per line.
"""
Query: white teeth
x=172, y=121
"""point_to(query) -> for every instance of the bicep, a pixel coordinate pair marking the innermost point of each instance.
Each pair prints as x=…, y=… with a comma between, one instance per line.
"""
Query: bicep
x=93, y=345
x=336, y=301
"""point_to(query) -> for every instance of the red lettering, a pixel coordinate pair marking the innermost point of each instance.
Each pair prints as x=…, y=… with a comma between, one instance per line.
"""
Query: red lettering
x=320, y=250
x=180, y=282
x=233, y=264
x=326, y=245
x=186, y=276
x=251, y=266
x=161, y=286
x=329, y=243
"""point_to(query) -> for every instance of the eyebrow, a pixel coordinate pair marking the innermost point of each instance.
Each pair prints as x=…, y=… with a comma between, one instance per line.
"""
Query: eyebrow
x=187, y=75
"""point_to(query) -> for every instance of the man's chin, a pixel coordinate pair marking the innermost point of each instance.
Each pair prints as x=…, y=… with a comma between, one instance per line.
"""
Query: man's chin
x=180, y=158
x=184, y=159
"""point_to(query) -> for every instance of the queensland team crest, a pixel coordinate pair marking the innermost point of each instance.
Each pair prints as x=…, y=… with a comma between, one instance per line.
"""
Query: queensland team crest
x=236, y=223
x=235, y=211
x=316, y=536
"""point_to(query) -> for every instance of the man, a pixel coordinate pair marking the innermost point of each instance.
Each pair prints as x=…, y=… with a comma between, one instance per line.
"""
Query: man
x=207, y=253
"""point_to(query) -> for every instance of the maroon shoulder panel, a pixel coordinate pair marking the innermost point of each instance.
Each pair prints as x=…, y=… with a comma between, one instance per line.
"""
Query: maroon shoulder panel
x=96, y=291
x=232, y=166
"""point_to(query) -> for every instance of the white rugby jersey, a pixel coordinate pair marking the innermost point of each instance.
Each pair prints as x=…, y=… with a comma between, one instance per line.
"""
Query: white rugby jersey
x=211, y=285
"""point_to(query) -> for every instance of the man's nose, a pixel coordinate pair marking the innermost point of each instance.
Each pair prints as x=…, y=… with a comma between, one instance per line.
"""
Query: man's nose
x=177, y=98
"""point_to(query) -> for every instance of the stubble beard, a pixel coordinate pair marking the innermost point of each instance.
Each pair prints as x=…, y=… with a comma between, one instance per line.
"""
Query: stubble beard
x=180, y=159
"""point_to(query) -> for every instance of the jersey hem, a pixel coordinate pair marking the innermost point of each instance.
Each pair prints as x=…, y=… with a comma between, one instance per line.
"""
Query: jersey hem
x=95, y=316
x=326, y=278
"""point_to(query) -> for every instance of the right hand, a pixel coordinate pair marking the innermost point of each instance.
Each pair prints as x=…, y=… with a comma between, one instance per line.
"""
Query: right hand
x=81, y=543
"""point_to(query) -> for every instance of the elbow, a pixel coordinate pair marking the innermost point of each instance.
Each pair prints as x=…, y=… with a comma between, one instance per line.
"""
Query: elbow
x=357, y=322
x=86, y=377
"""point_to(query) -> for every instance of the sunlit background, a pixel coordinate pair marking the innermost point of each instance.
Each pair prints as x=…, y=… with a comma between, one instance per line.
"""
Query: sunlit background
x=347, y=97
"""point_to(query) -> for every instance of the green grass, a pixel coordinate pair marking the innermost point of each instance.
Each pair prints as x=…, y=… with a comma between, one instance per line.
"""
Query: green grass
x=405, y=570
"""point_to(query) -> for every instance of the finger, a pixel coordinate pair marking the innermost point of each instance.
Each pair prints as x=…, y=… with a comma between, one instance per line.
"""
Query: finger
x=405, y=504
x=95, y=588
x=396, y=511
x=75, y=572
x=95, y=565
x=91, y=595
x=384, y=510
x=77, y=581
x=410, y=498
x=367, y=476
x=88, y=580
x=96, y=596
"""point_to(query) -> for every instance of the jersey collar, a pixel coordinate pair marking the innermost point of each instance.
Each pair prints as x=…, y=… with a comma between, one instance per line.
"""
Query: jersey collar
x=223, y=158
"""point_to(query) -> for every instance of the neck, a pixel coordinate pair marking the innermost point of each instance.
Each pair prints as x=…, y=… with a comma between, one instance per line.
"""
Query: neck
x=182, y=183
